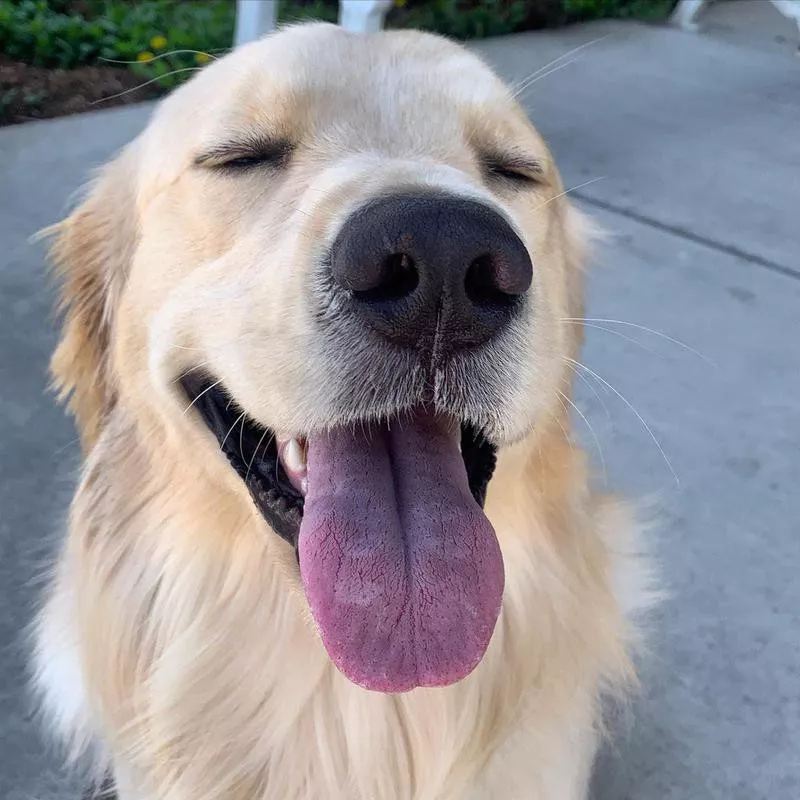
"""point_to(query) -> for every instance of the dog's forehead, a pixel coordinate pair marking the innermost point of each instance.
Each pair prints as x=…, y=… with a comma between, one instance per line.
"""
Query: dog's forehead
x=326, y=61
x=402, y=93
x=314, y=76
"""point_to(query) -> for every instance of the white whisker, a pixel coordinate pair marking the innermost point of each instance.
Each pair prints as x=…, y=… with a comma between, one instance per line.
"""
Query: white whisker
x=567, y=436
x=542, y=72
x=542, y=76
x=631, y=407
x=621, y=336
x=142, y=85
x=183, y=347
x=571, y=189
x=644, y=328
x=158, y=57
x=188, y=371
x=230, y=430
x=594, y=435
x=587, y=383
x=59, y=450
x=207, y=389
x=247, y=474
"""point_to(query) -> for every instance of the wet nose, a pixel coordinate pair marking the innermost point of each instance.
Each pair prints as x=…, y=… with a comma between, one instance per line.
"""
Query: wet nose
x=432, y=269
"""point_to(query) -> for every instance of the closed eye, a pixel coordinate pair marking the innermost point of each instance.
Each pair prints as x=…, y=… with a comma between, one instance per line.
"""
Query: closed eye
x=513, y=170
x=512, y=174
x=245, y=154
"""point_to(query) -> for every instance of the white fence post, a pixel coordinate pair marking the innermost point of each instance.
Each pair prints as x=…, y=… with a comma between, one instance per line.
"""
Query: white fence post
x=363, y=16
x=254, y=19
x=687, y=11
x=791, y=10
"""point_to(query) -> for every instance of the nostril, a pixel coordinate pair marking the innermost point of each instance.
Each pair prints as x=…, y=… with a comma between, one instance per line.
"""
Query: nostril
x=399, y=277
x=430, y=271
x=482, y=285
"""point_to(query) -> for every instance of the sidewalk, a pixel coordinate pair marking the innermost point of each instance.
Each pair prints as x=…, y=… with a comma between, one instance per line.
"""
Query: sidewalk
x=692, y=147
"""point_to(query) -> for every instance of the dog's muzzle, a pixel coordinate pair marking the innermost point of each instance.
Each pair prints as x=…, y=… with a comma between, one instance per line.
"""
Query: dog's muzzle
x=384, y=501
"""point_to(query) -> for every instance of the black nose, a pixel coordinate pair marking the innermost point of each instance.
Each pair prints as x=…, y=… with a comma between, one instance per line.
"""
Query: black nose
x=432, y=271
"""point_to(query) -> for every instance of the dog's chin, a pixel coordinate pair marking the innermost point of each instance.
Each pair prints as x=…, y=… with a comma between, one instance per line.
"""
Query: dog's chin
x=401, y=568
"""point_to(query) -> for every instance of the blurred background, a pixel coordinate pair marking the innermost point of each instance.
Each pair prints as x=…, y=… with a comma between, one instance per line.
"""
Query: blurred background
x=680, y=135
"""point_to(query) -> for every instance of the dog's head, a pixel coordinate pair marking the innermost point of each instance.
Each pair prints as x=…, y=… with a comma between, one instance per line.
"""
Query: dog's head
x=341, y=267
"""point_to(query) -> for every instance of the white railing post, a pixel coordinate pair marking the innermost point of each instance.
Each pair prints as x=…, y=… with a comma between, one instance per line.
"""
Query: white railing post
x=363, y=16
x=254, y=19
x=686, y=13
x=791, y=10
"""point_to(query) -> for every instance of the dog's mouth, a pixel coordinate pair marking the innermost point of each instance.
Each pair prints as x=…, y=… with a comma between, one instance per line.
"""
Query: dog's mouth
x=400, y=566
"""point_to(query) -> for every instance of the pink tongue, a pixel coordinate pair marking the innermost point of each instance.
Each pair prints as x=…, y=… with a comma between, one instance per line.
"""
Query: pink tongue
x=400, y=565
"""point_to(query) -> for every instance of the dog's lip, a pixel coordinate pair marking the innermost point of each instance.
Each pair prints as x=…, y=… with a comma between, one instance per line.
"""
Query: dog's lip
x=262, y=459
x=251, y=450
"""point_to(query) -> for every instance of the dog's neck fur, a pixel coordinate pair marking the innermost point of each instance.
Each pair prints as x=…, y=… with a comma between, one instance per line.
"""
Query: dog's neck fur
x=208, y=680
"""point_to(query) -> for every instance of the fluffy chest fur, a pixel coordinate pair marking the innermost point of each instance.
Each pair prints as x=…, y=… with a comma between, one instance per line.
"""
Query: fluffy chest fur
x=202, y=676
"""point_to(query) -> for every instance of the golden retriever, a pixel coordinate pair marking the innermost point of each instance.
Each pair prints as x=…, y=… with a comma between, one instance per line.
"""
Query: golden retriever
x=332, y=537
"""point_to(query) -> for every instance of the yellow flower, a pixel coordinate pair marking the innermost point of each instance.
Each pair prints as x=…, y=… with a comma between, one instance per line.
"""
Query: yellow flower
x=158, y=42
x=145, y=56
x=202, y=58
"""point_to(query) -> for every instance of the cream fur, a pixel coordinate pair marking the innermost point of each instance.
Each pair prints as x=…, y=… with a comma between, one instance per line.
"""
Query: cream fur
x=176, y=644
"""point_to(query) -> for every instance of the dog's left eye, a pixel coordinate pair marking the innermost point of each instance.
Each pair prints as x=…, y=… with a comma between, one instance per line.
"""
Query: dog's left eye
x=243, y=162
x=235, y=157
x=521, y=176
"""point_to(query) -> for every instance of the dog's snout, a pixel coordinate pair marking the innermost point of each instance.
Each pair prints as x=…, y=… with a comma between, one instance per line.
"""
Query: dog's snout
x=421, y=269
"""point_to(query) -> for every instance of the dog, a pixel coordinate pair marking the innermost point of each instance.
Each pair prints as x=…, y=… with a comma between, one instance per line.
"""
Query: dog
x=332, y=536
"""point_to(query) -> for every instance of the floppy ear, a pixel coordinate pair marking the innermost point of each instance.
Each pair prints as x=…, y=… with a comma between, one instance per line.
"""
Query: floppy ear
x=91, y=253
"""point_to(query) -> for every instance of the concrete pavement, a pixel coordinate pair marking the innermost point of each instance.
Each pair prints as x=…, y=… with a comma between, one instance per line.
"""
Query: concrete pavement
x=41, y=166
x=696, y=145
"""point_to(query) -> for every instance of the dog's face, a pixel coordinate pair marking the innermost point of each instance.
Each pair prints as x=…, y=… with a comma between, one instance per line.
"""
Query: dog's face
x=340, y=267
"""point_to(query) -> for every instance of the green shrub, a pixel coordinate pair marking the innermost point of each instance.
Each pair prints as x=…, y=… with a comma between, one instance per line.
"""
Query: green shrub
x=636, y=9
x=165, y=40
x=299, y=10
x=63, y=35
x=475, y=19
x=31, y=31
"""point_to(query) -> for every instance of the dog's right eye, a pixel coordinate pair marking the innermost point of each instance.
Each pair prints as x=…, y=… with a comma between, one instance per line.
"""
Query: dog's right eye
x=243, y=162
x=240, y=156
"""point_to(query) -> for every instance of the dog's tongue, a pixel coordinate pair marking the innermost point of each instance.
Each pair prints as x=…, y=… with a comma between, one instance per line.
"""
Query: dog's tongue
x=401, y=567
